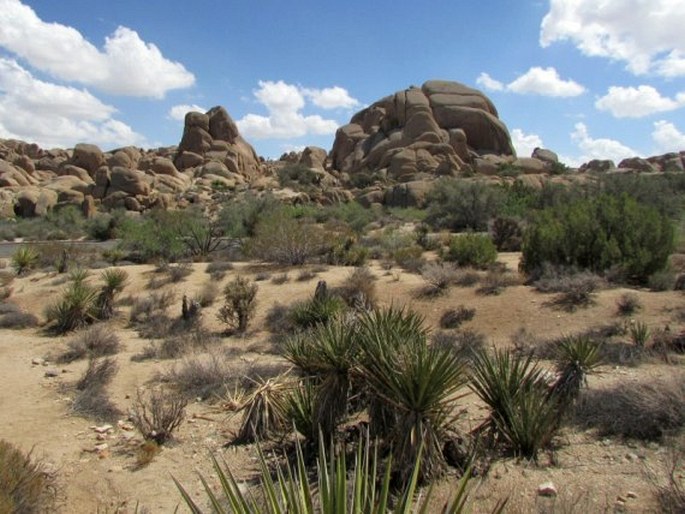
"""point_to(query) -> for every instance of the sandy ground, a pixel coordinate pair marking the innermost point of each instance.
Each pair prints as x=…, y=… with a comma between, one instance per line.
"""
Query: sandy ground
x=589, y=472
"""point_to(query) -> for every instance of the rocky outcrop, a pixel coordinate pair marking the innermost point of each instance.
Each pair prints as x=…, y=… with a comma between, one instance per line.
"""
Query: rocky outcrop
x=437, y=129
x=213, y=137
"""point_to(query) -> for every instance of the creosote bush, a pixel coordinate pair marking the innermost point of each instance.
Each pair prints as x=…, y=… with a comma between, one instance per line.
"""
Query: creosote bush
x=240, y=296
x=476, y=250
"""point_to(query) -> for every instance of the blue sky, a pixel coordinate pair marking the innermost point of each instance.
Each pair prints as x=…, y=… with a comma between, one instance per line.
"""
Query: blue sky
x=584, y=78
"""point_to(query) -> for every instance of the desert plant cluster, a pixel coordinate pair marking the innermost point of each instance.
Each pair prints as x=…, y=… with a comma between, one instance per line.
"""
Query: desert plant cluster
x=363, y=359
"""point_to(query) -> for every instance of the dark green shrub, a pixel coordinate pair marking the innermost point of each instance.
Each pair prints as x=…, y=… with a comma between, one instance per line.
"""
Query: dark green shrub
x=459, y=205
x=662, y=280
x=599, y=234
x=77, y=307
x=285, y=240
x=628, y=304
x=475, y=250
x=507, y=234
x=298, y=175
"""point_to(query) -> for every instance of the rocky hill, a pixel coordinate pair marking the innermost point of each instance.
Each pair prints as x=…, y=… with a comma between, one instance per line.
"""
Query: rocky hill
x=389, y=153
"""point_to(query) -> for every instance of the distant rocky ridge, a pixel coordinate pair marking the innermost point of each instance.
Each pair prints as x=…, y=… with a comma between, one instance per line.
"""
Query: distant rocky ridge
x=389, y=153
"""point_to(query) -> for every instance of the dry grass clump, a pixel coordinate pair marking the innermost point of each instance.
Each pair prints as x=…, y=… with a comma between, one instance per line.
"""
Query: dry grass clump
x=454, y=318
x=149, y=314
x=95, y=341
x=91, y=398
x=280, y=279
x=671, y=494
x=467, y=277
x=639, y=410
x=178, y=345
x=496, y=280
x=217, y=269
x=13, y=317
x=305, y=275
x=207, y=295
x=203, y=377
x=464, y=343
x=575, y=289
x=27, y=485
x=438, y=277
x=359, y=288
x=158, y=414
x=628, y=304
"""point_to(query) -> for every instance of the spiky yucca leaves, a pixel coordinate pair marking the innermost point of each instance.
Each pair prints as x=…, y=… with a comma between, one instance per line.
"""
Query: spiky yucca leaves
x=328, y=355
x=577, y=357
x=263, y=411
x=314, y=311
x=521, y=409
x=416, y=384
x=388, y=330
x=24, y=259
x=364, y=489
x=299, y=406
x=77, y=307
x=114, y=282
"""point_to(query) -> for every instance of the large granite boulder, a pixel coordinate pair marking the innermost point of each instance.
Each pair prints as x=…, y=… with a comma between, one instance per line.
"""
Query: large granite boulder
x=438, y=128
x=214, y=136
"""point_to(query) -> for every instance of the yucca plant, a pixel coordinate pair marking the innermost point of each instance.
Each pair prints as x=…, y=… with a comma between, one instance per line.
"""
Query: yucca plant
x=316, y=311
x=263, y=410
x=299, y=406
x=77, y=308
x=415, y=385
x=521, y=409
x=24, y=259
x=363, y=489
x=639, y=334
x=578, y=356
x=328, y=355
x=114, y=282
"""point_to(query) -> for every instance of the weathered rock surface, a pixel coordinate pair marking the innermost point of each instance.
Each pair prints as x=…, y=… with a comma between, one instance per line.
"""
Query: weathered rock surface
x=438, y=129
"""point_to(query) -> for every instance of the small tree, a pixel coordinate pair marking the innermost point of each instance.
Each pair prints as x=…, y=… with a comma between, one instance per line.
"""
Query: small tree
x=239, y=304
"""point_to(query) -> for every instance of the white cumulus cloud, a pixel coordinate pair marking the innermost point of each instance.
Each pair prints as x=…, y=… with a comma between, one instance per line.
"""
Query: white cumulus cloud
x=637, y=102
x=545, y=82
x=178, y=112
x=525, y=143
x=536, y=81
x=667, y=137
x=489, y=83
x=53, y=115
x=126, y=65
x=334, y=97
x=284, y=103
x=600, y=148
x=645, y=34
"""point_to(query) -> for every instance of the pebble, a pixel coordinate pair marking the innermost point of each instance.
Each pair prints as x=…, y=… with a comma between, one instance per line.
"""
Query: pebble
x=51, y=373
x=101, y=447
x=103, y=429
x=547, y=489
x=631, y=494
x=37, y=361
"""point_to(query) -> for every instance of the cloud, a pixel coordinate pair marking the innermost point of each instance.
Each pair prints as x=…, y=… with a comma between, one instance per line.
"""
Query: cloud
x=536, y=81
x=598, y=148
x=126, y=65
x=178, y=112
x=645, y=34
x=631, y=102
x=545, y=82
x=334, y=97
x=525, y=143
x=667, y=137
x=284, y=103
x=489, y=83
x=53, y=115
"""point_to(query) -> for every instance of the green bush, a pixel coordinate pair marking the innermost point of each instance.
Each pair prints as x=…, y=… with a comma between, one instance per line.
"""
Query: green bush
x=459, y=205
x=600, y=233
x=24, y=259
x=475, y=250
x=239, y=304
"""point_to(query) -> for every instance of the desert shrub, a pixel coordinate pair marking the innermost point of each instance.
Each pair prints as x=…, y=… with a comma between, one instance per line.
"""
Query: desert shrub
x=521, y=410
x=671, y=495
x=438, y=276
x=293, y=175
x=639, y=334
x=305, y=275
x=13, y=317
x=353, y=214
x=99, y=373
x=96, y=341
x=115, y=281
x=76, y=309
x=467, y=277
x=178, y=272
x=464, y=343
x=176, y=345
x=105, y=225
x=628, y=304
x=278, y=319
x=158, y=414
x=662, y=280
x=600, y=233
x=240, y=297
x=202, y=376
x=459, y=205
x=476, y=250
x=91, y=397
x=507, y=234
x=409, y=258
x=206, y=296
x=154, y=304
x=285, y=240
x=577, y=357
x=27, y=485
x=24, y=259
x=454, y=318
x=495, y=281
x=280, y=279
x=576, y=289
x=638, y=410
x=299, y=408
x=217, y=269
x=358, y=290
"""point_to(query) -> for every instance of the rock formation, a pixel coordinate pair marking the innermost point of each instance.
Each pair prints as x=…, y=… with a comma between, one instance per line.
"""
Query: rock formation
x=437, y=129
